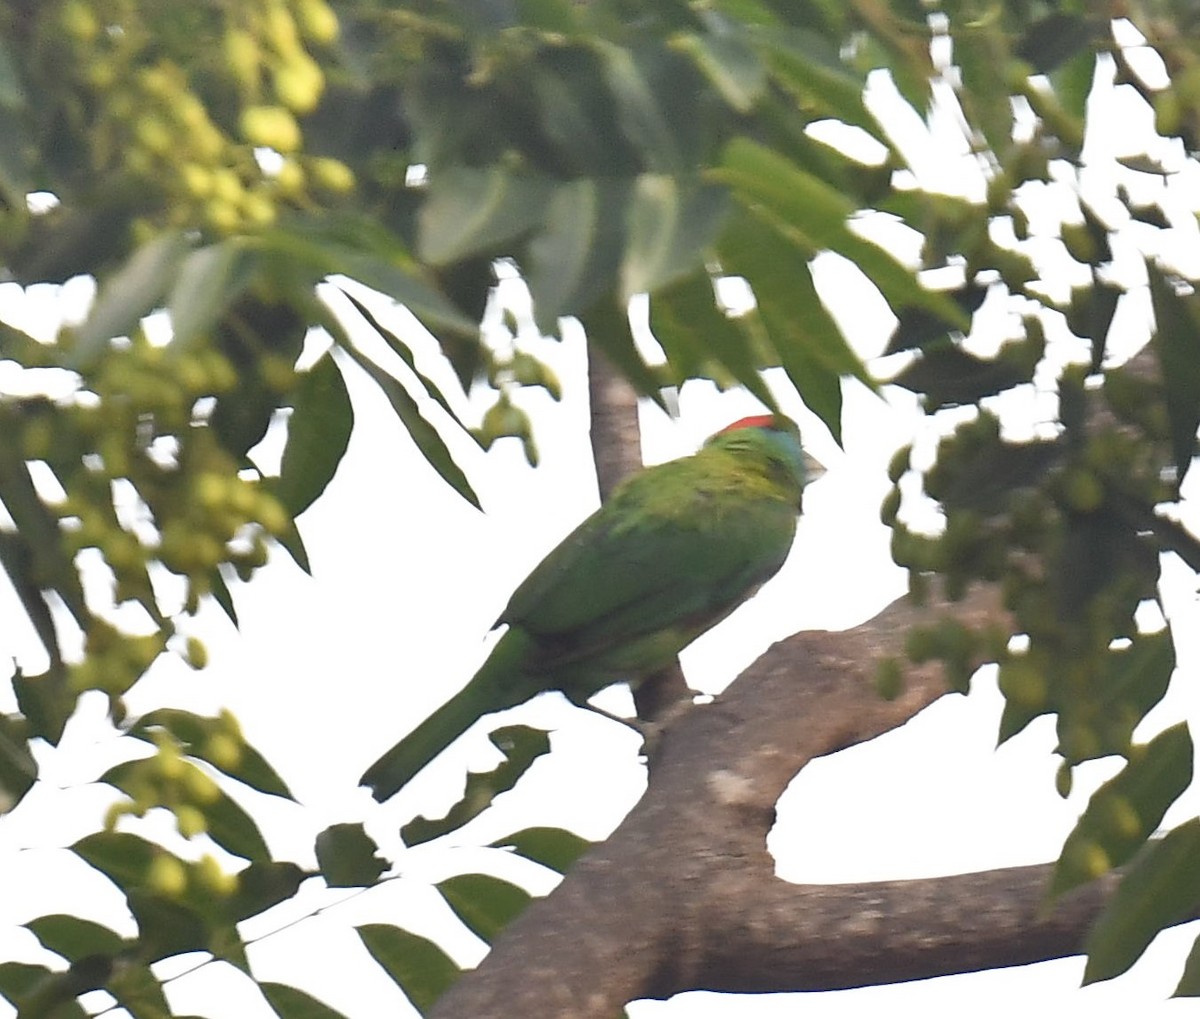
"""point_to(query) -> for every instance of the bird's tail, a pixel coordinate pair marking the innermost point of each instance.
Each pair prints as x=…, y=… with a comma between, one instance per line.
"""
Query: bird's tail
x=498, y=684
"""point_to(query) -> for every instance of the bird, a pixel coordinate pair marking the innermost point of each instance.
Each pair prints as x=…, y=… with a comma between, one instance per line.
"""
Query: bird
x=673, y=551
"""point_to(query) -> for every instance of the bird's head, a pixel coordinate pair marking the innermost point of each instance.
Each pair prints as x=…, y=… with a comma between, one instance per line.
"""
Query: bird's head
x=769, y=435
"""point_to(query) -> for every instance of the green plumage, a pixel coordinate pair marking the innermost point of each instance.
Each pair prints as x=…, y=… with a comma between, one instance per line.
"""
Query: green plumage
x=675, y=549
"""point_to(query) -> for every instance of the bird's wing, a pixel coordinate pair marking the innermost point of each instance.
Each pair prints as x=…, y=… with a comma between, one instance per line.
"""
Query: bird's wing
x=676, y=545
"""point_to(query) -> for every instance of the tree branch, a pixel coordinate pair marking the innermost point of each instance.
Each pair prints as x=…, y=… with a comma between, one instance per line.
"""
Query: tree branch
x=684, y=896
x=616, y=450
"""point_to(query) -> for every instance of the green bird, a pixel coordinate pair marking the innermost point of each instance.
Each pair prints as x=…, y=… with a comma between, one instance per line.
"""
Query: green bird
x=675, y=549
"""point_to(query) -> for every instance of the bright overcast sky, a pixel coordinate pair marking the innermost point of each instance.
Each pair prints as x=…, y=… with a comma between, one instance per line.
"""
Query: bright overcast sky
x=328, y=671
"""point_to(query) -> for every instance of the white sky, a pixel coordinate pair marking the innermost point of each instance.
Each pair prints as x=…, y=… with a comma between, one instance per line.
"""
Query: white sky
x=328, y=671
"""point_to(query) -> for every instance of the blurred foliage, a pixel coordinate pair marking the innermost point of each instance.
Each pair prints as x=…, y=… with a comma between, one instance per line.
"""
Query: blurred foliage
x=217, y=162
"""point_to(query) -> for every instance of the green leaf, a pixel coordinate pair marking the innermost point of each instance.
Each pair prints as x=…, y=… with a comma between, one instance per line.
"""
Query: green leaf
x=208, y=281
x=669, y=231
x=484, y=903
x=421, y=969
x=1161, y=889
x=47, y=701
x=1123, y=812
x=640, y=104
x=555, y=848
x=293, y=544
x=426, y=437
x=918, y=328
x=730, y=63
x=318, y=434
x=470, y=211
x=1051, y=41
x=209, y=738
x=814, y=216
x=556, y=16
x=134, y=291
x=137, y=989
x=41, y=992
x=1177, y=341
x=348, y=856
x=12, y=89
x=405, y=353
x=167, y=927
x=378, y=273
x=809, y=345
x=1189, y=983
x=293, y=1003
x=74, y=938
x=227, y=823
x=945, y=375
x=521, y=746
x=18, y=768
x=122, y=857
x=686, y=320
x=37, y=547
x=1137, y=676
x=221, y=593
x=263, y=885
x=808, y=66
x=574, y=259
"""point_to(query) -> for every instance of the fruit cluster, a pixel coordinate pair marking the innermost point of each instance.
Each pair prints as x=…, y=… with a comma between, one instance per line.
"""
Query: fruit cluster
x=180, y=125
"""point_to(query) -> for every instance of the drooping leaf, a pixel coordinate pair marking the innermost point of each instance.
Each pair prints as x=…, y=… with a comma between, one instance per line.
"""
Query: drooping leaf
x=123, y=857
x=918, y=328
x=226, y=822
x=18, y=769
x=215, y=739
x=1161, y=888
x=221, y=593
x=263, y=885
x=209, y=279
x=634, y=78
x=521, y=746
x=348, y=856
x=1189, y=983
x=815, y=217
x=418, y=966
x=555, y=848
x=138, y=990
x=945, y=375
x=686, y=320
x=293, y=1003
x=424, y=435
x=1177, y=340
x=167, y=927
x=47, y=700
x=40, y=991
x=128, y=296
x=486, y=904
x=670, y=229
x=470, y=210
x=730, y=63
x=1123, y=812
x=404, y=351
x=318, y=434
x=574, y=258
x=807, y=64
x=36, y=549
x=807, y=341
x=75, y=938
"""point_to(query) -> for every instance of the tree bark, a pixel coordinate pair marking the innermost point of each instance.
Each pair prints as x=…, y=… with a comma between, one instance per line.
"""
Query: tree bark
x=616, y=449
x=684, y=896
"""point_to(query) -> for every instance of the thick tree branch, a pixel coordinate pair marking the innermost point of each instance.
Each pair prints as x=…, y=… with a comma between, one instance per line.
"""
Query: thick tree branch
x=684, y=895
